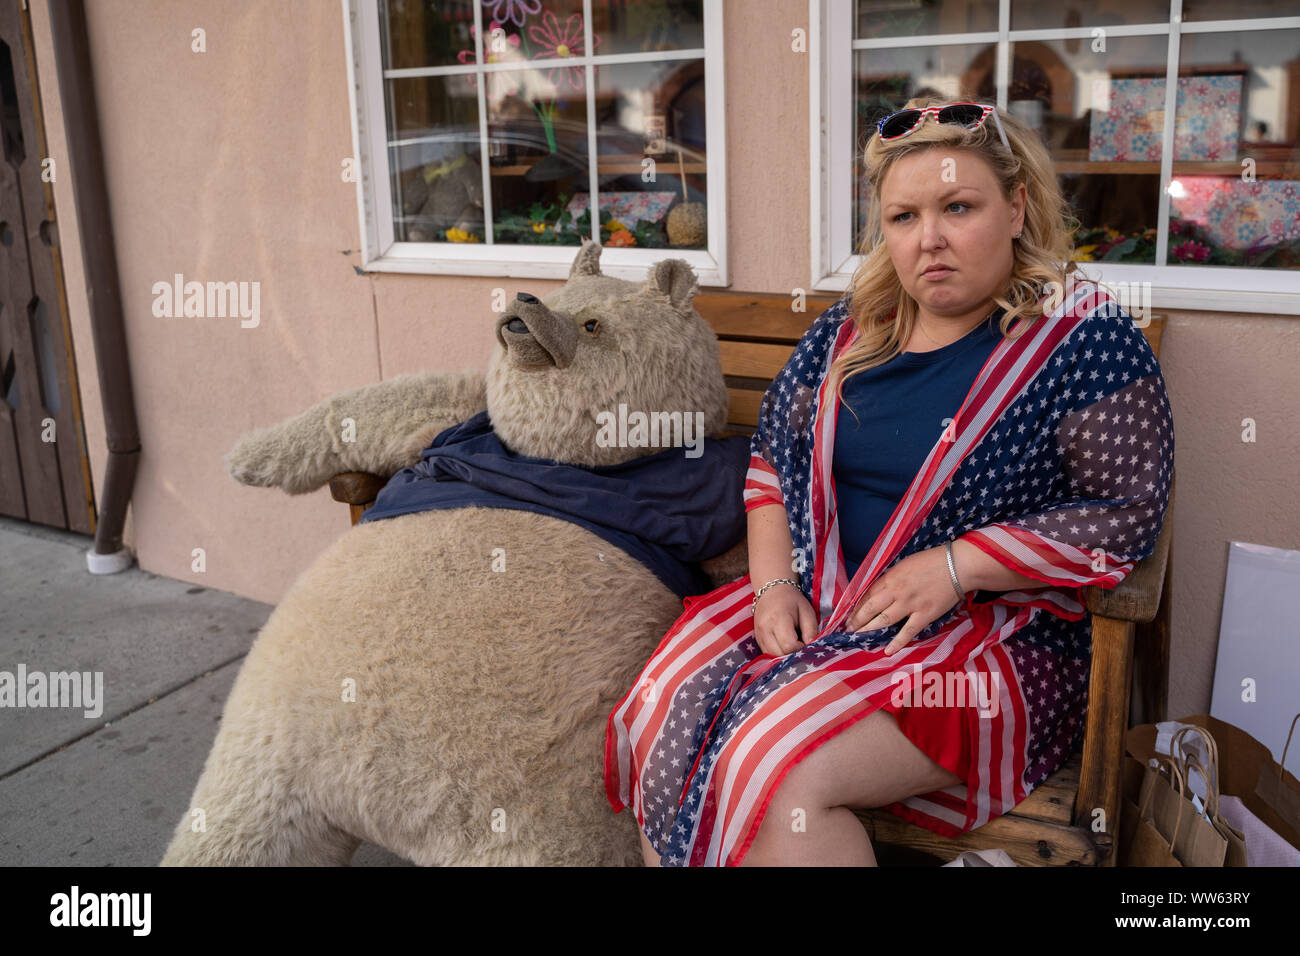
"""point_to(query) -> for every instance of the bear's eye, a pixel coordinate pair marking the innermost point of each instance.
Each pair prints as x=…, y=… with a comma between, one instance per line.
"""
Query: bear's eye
x=591, y=325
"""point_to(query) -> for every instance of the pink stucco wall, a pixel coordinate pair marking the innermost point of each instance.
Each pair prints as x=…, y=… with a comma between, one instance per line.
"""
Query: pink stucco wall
x=225, y=165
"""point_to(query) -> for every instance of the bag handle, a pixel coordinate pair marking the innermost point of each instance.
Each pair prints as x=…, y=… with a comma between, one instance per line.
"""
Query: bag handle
x=1211, y=746
x=1211, y=787
x=1211, y=750
x=1281, y=765
x=1181, y=791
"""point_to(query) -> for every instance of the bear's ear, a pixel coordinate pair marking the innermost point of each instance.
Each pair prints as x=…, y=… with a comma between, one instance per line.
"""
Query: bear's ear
x=587, y=261
x=676, y=279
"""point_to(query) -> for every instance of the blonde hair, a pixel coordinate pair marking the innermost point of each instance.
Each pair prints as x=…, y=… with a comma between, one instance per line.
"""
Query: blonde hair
x=1042, y=254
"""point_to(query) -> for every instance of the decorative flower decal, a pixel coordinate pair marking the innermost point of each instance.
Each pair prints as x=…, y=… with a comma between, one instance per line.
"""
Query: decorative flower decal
x=495, y=48
x=515, y=10
x=562, y=42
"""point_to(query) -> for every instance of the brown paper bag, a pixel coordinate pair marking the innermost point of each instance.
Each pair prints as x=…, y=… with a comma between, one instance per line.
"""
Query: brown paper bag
x=1235, y=841
x=1247, y=771
x=1143, y=841
x=1196, y=841
x=1280, y=791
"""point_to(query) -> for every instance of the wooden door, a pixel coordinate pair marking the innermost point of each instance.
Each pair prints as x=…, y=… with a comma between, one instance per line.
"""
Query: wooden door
x=44, y=473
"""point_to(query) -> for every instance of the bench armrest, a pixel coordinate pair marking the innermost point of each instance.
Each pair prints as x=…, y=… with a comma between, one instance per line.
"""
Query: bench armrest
x=1137, y=597
x=356, y=487
x=357, y=490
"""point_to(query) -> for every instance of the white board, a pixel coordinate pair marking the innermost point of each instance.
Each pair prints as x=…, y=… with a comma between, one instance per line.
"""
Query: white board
x=1259, y=640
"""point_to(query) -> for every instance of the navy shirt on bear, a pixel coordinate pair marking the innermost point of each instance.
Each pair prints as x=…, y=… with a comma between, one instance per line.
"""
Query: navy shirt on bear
x=900, y=409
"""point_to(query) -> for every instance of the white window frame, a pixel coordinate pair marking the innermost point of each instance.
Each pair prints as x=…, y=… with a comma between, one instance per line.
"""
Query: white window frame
x=382, y=253
x=832, y=48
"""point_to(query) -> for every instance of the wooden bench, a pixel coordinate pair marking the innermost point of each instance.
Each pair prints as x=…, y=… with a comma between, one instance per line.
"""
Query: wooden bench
x=1056, y=824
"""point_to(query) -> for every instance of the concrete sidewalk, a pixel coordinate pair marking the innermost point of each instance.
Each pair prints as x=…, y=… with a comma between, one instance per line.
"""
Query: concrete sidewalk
x=108, y=789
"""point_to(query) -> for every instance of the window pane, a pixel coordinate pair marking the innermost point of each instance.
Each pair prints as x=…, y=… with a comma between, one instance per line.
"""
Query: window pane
x=433, y=33
x=433, y=153
x=1234, y=199
x=537, y=133
x=885, y=79
x=1238, y=9
x=639, y=26
x=1099, y=113
x=653, y=154
x=617, y=26
x=909, y=18
x=1036, y=15
x=415, y=33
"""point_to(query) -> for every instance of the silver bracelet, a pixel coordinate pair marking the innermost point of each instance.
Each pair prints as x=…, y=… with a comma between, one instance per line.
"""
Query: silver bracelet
x=952, y=572
x=759, y=593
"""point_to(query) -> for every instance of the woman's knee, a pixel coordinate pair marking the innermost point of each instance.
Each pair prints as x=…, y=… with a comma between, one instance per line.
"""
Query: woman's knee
x=871, y=763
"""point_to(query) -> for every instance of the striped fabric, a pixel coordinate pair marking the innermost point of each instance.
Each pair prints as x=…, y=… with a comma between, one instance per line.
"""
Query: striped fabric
x=1057, y=464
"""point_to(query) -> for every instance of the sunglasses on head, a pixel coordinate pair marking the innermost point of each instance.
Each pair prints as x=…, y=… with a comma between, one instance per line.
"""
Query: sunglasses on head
x=969, y=115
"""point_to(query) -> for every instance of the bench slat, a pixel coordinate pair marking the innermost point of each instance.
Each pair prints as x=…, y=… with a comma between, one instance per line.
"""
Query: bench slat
x=747, y=321
x=753, y=359
x=735, y=315
x=744, y=406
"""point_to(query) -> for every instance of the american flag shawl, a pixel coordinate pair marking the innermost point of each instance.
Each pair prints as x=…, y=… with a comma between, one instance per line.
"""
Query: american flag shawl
x=1058, y=464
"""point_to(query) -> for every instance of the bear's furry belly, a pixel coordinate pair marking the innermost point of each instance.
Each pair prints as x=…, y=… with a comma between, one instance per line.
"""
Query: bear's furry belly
x=481, y=696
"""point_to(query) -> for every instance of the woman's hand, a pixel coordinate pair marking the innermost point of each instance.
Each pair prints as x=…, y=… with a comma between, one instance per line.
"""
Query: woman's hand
x=778, y=613
x=917, y=588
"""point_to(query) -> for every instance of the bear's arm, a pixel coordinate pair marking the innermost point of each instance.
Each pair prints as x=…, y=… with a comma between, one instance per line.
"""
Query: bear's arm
x=389, y=424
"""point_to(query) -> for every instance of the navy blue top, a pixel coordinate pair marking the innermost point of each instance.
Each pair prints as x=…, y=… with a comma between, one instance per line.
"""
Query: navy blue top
x=901, y=406
x=666, y=510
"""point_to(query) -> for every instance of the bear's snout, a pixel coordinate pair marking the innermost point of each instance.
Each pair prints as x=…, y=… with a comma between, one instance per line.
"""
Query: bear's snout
x=534, y=336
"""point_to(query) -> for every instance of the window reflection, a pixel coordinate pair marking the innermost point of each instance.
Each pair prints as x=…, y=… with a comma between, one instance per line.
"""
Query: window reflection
x=1234, y=199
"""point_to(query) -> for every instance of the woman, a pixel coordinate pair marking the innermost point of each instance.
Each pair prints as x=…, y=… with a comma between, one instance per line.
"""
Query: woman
x=911, y=633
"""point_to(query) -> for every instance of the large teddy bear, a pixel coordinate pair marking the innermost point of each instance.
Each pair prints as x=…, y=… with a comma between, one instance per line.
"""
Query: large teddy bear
x=438, y=681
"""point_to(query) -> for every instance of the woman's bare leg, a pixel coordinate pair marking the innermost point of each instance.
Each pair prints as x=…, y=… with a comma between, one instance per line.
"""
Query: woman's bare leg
x=809, y=821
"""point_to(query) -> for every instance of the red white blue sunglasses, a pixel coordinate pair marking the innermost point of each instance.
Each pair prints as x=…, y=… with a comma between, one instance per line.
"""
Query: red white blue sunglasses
x=969, y=115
